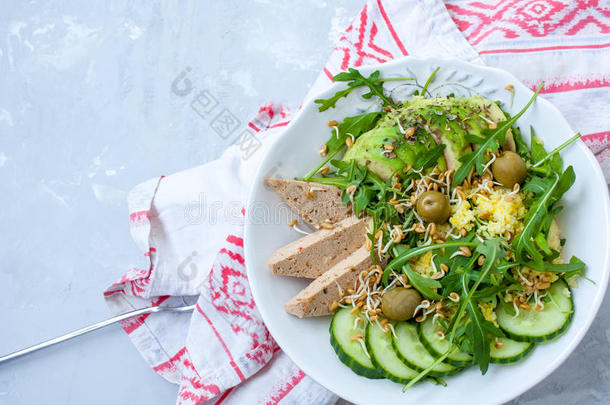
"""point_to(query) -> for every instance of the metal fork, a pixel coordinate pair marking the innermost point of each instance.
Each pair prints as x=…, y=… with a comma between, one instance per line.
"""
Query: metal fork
x=93, y=327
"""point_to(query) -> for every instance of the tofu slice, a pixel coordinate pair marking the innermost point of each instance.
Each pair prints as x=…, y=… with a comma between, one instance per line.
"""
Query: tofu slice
x=323, y=203
x=315, y=253
x=316, y=298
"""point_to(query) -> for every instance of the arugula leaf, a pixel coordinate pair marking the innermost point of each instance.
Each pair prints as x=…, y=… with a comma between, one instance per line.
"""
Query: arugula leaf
x=475, y=138
x=316, y=169
x=340, y=181
x=476, y=330
x=370, y=191
x=537, y=146
x=494, y=254
x=555, y=162
x=554, y=154
x=340, y=164
x=404, y=257
x=522, y=148
x=354, y=126
x=459, y=335
x=566, y=180
x=325, y=104
x=522, y=243
x=492, y=329
x=540, y=240
x=489, y=292
x=547, y=163
x=452, y=281
x=492, y=143
x=351, y=126
x=437, y=381
x=398, y=249
x=426, y=286
x=430, y=78
x=533, y=221
x=355, y=80
x=429, y=158
x=579, y=267
x=362, y=198
x=350, y=173
x=536, y=185
x=494, y=251
x=576, y=266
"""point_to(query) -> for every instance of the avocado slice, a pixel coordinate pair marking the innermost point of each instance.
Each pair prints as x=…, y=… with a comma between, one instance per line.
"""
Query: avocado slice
x=370, y=150
x=493, y=112
x=448, y=120
x=436, y=120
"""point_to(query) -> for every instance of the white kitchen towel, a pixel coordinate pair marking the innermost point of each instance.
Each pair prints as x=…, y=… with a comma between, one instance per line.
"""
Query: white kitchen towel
x=189, y=225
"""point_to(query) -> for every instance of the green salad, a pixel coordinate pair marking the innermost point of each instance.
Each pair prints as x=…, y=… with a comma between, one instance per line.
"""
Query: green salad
x=468, y=266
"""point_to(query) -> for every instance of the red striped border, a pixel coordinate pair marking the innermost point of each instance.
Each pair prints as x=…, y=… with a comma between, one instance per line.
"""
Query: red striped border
x=566, y=86
x=254, y=127
x=170, y=364
x=285, y=390
x=281, y=124
x=391, y=28
x=224, y=396
x=235, y=240
x=596, y=136
x=328, y=74
x=223, y=344
x=138, y=217
x=109, y=293
x=548, y=48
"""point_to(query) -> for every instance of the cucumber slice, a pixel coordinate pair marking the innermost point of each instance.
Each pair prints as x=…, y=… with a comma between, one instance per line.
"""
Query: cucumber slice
x=437, y=346
x=511, y=350
x=351, y=352
x=411, y=351
x=379, y=345
x=539, y=326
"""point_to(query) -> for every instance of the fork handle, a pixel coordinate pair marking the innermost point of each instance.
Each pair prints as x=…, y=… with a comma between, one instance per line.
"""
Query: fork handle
x=84, y=330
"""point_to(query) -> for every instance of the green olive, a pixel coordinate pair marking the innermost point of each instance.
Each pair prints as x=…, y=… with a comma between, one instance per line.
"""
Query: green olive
x=433, y=206
x=509, y=169
x=399, y=303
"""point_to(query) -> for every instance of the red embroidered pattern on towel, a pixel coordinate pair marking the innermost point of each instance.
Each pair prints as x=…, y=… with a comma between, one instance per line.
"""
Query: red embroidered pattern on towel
x=536, y=27
x=360, y=44
x=527, y=19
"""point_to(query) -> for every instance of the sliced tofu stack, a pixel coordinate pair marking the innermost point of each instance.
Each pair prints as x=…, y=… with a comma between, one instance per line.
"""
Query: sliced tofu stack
x=314, y=203
x=316, y=298
x=315, y=253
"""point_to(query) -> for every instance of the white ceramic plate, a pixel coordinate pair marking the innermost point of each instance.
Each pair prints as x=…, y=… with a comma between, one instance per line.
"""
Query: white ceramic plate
x=584, y=222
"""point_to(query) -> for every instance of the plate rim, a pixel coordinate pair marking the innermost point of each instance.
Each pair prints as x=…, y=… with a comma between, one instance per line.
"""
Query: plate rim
x=308, y=103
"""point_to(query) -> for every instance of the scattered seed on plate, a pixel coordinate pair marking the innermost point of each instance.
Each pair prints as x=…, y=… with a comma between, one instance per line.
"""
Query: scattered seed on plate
x=327, y=225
